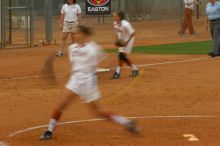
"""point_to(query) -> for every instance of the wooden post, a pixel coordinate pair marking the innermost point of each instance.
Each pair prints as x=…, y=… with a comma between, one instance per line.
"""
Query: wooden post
x=103, y=19
x=197, y=9
x=181, y=15
x=48, y=21
x=10, y=22
x=99, y=19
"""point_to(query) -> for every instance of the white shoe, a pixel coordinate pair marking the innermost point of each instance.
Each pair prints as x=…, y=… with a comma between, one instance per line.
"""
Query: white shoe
x=60, y=54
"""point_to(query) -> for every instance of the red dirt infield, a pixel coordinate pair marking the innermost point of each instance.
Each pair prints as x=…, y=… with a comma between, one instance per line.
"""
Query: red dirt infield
x=29, y=89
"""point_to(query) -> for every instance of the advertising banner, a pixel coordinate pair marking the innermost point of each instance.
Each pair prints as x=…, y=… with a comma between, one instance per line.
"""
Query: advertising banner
x=98, y=7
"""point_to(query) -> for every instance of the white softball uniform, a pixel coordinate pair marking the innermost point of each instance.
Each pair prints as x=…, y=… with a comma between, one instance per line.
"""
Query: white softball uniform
x=123, y=32
x=189, y=4
x=83, y=81
x=70, y=13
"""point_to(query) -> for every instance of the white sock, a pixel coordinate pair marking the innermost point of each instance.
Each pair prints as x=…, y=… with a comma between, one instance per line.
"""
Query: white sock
x=52, y=125
x=133, y=67
x=118, y=69
x=120, y=120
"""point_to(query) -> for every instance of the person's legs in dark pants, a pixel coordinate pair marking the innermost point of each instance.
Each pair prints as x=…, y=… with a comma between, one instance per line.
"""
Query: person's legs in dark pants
x=211, y=53
x=216, y=42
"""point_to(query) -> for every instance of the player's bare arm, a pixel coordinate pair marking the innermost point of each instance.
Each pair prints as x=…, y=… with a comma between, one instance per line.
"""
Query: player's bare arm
x=61, y=21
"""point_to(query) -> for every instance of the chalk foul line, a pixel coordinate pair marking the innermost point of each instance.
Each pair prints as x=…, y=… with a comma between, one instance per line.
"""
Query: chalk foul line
x=16, y=133
x=141, y=65
x=172, y=62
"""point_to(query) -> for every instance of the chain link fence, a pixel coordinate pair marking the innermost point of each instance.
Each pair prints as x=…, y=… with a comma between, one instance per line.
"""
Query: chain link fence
x=135, y=10
x=166, y=8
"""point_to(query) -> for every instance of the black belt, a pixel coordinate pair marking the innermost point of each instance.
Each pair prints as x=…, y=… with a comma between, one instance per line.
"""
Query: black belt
x=70, y=21
x=215, y=20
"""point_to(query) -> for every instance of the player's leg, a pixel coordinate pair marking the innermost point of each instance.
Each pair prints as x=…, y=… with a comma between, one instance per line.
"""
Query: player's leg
x=127, y=60
x=57, y=112
x=60, y=53
x=118, y=119
x=117, y=73
x=134, y=69
x=91, y=94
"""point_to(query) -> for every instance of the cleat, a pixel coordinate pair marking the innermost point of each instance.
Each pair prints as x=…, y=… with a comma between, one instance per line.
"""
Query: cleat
x=60, y=54
x=116, y=75
x=46, y=135
x=134, y=73
x=211, y=54
x=132, y=127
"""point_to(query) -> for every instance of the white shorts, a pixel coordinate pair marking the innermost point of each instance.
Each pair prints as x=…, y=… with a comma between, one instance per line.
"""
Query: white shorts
x=127, y=49
x=70, y=26
x=85, y=87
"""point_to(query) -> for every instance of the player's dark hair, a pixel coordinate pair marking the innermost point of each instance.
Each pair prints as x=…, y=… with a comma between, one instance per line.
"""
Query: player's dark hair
x=85, y=29
x=121, y=15
x=74, y=1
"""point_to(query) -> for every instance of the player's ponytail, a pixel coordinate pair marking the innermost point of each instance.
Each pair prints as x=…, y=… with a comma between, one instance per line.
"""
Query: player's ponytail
x=121, y=15
x=85, y=29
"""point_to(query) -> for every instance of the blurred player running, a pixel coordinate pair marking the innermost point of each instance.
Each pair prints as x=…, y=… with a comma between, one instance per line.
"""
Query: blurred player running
x=125, y=37
x=84, y=56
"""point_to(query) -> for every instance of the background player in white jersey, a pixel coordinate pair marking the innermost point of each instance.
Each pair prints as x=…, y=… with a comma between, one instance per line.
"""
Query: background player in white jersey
x=84, y=57
x=125, y=37
x=70, y=18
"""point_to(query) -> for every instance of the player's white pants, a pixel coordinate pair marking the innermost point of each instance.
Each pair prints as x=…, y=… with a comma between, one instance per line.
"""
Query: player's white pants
x=85, y=87
x=127, y=49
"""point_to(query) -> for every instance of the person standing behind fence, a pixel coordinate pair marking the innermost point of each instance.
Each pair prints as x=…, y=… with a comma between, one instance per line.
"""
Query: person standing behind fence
x=213, y=16
x=70, y=18
x=187, y=20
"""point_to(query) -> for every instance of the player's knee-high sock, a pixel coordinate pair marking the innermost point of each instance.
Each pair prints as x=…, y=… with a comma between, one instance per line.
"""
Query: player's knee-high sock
x=134, y=67
x=113, y=117
x=53, y=121
x=129, y=63
x=118, y=69
x=118, y=119
x=52, y=125
x=121, y=120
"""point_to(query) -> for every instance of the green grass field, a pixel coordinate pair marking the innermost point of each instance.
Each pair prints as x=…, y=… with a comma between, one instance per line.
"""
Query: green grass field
x=178, y=48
